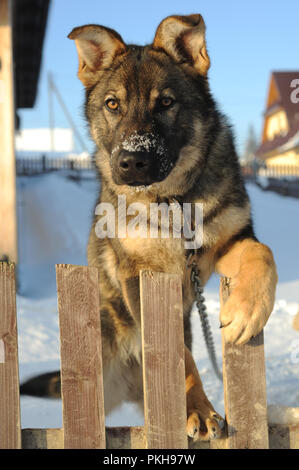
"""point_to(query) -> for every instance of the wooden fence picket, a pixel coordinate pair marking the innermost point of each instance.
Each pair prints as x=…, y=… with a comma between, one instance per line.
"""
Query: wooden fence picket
x=81, y=357
x=10, y=426
x=244, y=381
x=163, y=360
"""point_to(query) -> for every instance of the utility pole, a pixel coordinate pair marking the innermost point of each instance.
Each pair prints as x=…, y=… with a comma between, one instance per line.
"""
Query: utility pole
x=51, y=113
x=54, y=90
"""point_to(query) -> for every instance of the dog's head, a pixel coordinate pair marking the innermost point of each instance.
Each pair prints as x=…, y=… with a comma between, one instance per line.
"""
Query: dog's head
x=146, y=106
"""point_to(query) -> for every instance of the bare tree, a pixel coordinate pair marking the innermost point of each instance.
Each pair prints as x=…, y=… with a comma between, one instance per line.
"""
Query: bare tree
x=250, y=146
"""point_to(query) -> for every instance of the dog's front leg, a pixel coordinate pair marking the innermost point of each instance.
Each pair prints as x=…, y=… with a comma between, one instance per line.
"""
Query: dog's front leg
x=253, y=278
x=203, y=423
x=128, y=277
x=131, y=296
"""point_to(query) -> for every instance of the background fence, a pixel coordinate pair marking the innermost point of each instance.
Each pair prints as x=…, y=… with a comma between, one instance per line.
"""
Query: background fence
x=278, y=171
x=163, y=379
x=43, y=164
x=282, y=179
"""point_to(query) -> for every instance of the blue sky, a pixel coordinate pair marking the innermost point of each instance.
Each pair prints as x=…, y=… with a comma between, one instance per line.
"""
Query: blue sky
x=246, y=41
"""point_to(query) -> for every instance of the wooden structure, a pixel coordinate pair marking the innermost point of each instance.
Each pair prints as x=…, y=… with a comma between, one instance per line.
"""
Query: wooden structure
x=22, y=28
x=163, y=367
x=280, y=136
x=8, y=217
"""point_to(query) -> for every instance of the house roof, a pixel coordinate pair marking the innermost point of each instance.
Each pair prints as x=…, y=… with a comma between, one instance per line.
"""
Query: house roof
x=29, y=25
x=282, y=99
x=283, y=82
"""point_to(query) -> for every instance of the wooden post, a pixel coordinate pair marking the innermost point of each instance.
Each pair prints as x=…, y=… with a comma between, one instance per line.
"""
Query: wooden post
x=244, y=384
x=81, y=357
x=10, y=427
x=163, y=360
x=8, y=217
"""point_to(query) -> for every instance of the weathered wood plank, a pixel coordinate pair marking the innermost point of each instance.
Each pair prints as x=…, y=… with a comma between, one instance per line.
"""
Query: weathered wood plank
x=125, y=437
x=50, y=438
x=280, y=437
x=10, y=428
x=163, y=360
x=81, y=357
x=284, y=436
x=116, y=438
x=244, y=382
x=8, y=217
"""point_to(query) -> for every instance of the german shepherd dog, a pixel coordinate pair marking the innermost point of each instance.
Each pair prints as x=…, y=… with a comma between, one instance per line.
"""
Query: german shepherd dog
x=160, y=138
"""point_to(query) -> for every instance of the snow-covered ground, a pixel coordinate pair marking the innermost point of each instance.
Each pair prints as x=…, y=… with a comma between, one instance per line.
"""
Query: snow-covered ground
x=54, y=218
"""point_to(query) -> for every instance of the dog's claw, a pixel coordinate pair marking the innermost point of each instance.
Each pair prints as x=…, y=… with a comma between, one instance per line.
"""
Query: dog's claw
x=219, y=420
x=193, y=426
x=214, y=430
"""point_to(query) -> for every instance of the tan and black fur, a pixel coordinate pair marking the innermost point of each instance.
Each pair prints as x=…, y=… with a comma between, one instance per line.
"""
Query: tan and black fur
x=160, y=93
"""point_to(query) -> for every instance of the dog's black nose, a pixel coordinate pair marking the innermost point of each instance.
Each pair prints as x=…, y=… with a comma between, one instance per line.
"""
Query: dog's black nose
x=134, y=167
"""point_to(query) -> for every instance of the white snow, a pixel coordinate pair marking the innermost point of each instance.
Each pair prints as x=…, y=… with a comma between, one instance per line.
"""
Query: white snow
x=40, y=140
x=55, y=213
x=144, y=142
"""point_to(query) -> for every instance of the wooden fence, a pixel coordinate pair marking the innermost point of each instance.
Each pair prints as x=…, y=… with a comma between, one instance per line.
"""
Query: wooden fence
x=281, y=179
x=43, y=164
x=163, y=373
x=275, y=171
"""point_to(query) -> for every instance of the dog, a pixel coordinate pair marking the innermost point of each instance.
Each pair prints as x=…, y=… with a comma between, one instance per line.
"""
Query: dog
x=160, y=138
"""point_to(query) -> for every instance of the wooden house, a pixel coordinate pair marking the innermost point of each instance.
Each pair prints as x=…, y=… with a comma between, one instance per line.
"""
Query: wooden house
x=280, y=137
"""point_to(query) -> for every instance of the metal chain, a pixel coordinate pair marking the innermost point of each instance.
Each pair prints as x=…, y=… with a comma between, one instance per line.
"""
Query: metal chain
x=202, y=310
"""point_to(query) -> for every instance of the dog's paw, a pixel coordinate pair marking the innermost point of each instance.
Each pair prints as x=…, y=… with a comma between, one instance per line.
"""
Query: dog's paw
x=252, y=297
x=200, y=429
x=244, y=315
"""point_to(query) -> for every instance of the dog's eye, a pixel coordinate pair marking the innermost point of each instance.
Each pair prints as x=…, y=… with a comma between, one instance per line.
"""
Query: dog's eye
x=112, y=104
x=166, y=102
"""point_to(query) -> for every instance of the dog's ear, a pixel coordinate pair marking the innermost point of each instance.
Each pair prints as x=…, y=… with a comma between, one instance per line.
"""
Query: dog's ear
x=183, y=38
x=97, y=46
